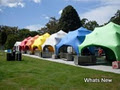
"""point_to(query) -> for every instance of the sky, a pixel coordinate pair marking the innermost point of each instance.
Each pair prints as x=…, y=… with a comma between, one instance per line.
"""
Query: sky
x=34, y=14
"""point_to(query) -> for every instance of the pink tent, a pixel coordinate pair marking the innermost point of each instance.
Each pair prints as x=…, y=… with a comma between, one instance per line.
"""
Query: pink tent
x=23, y=43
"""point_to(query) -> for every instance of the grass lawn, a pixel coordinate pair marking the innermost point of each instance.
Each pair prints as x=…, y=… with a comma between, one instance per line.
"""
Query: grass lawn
x=36, y=74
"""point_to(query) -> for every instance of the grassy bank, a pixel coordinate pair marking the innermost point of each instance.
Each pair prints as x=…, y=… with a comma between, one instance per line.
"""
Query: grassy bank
x=36, y=74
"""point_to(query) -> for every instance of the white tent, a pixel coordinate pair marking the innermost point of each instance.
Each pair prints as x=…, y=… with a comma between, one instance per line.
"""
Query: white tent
x=17, y=46
x=53, y=40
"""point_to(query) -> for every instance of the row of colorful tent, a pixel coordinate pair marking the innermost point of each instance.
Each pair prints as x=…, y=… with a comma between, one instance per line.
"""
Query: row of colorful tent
x=107, y=37
x=55, y=41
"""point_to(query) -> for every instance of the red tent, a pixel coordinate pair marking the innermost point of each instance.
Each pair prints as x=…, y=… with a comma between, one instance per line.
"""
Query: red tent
x=23, y=43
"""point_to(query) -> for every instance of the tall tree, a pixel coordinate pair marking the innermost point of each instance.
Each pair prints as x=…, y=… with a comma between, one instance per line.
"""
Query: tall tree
x=42, y=30
x=83, y=21
x=52, y=25
x=9, y=30
x=69, y=19
x=33, y=33
x=3, y=38
x=89, y=24
x=116, y=18
x=5, y=31
x=23, y=33
x=11, y=39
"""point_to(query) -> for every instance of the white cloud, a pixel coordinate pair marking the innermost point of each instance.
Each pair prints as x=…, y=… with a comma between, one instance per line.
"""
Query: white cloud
x=21, y=4
x=83, y=0
x=37, y=1
x=46, y=17
x=34, y=27
x=12, y=3
x=101, y=14
x=0, y=10
x=60, y=12
x=15, y=3
x=110, y=2
x=102, y=1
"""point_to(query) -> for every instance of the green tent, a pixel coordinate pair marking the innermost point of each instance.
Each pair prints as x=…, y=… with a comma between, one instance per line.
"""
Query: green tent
x=107, y=37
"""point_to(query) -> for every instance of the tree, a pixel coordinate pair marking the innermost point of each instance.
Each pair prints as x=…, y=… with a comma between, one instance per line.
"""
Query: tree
x=9, y=35
x=91, y=25
x=116, y=18
x=33, y=33
x=42, y=30
x=3, y=37
x=9, y=30
x=23, y=33
x=52, y=25
x=69, y=19
x=5, y=31
x=83, y=21
x=11, y=39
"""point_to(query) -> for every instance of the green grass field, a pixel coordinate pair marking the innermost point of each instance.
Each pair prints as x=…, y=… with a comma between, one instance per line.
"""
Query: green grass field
x=36, y=74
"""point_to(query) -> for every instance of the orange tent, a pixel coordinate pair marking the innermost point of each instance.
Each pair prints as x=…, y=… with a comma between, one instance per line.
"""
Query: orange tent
x=30, y=42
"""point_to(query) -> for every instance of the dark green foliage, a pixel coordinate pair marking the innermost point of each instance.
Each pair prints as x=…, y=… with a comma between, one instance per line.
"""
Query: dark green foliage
x=5, y=31
x=33, y=33
x=43, y=30
x=51, y=27
x=9, y=35
x=9, y=30
x=69, y=19
x=83, y=21
x=11, y=39
x=116, y=18
x=89, y=24
x=3, y=37
x=23, y=33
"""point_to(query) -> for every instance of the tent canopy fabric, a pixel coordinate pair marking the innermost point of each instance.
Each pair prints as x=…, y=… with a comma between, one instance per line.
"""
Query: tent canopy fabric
x=53, y=40
x=73, y=38
x=30, y=42
x=39, y=41
x=23, y=43
x=17, y=46
x=18, y=43
x=107, y=37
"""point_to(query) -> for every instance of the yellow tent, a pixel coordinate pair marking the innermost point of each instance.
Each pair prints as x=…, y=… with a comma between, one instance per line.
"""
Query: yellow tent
x=40, y=41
